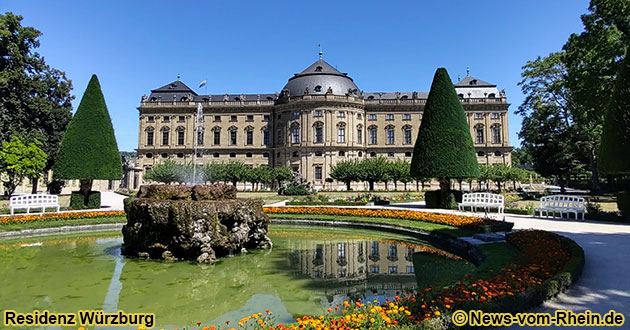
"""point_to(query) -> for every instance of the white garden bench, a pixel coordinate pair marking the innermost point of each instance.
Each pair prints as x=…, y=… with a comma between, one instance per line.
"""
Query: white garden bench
x=33, y=201
x=561, y=204
x=482, y=200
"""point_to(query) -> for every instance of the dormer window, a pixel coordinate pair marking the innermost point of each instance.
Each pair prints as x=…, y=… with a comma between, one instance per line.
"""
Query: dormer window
x=473, y=82
x=491, y=95
x=370, y=97
x=404, y=97
x=269, y=98
x=318, y=69
x=237, y=99
x=318, y=88
x=461, y=96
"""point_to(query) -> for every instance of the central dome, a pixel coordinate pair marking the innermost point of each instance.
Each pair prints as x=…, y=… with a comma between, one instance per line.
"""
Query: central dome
x=318, y=79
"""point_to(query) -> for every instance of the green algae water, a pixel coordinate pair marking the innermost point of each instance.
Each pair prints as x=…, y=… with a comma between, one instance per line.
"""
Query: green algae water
x=308, y=270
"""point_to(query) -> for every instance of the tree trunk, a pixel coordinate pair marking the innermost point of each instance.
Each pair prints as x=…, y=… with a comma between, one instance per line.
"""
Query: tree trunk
x=418, y=185
x=499, y=186
x=594, y=173
x=445, y=184
x=348, y=188
x=395, y=185
x=422, y=182
x=34, y=183
x=85, y=187
x=371, y=185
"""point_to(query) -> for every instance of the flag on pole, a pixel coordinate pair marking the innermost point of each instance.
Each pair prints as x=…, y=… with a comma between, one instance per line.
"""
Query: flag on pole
x=203, y=83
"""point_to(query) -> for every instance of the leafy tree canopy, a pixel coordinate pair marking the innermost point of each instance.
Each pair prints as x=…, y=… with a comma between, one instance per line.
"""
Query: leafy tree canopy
x=35, y=100
x=19, y=161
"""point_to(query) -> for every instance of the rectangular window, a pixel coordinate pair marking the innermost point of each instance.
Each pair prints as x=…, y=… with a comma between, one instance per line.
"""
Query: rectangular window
x=406, y=116
x=341, y=114
x=166, y=119
x=393, y=269
x=390, y=154
x=317, y=113
x=342, y=272
x=217, y=137
x=389, y=117
x=279, y=137
x=496, y=135
x=296, y=113
x=233, y=118
x=318, y=153
x=341, y=135
x=478, y=115
x=149, y=138
x=266, y=137
x=410, y=270
x=390, y=136
x=319, y=134
x=495, y=115
x=373, y=136
x=341, y=250
x=165, y=138
x=374, y=248
x=359, y=135
x=318, y=172
x=250, y=118
x=359, y=117
x=479, y=135
x=393, y=251
x=150, y=119
x=295, y=135
x=266, y=118
x=250, y=137
x=233, y=137
x=374, y=269
x=181, y=118
x=372, y=117
x=217, y=118
x=180, y=137
x=200, y=138
x=408, y=136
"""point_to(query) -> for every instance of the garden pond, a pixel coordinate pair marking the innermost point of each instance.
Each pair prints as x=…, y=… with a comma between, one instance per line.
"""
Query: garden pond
x=308, y=270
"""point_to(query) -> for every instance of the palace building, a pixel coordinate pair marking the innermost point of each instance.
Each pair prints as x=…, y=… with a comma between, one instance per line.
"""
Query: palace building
x=319, y=118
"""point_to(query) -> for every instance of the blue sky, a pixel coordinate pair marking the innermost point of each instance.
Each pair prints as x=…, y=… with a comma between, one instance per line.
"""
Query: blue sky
x=255, y=46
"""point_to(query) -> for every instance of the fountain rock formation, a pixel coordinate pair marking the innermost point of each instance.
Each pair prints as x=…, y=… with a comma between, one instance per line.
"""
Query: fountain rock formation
x=199, y=223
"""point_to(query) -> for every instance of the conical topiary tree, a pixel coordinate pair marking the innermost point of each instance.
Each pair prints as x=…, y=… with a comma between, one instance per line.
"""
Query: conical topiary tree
x=614, y=151
x=88, y=150
x=444, y=148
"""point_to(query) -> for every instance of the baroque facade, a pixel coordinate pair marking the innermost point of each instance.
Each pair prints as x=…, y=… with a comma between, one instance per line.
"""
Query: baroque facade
x=319, y=118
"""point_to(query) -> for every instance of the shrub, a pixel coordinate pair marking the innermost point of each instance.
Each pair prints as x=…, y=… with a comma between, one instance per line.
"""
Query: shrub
x=296, y=190
x=77, y=201
x=623, y=203
x=437, y=199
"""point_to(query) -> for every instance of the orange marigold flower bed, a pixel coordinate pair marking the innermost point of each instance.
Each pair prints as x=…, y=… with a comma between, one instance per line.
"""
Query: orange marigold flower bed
x=60, y=216
x=440, y=218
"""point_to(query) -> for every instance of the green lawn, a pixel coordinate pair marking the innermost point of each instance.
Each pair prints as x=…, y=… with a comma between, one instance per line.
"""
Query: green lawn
x=61, y=223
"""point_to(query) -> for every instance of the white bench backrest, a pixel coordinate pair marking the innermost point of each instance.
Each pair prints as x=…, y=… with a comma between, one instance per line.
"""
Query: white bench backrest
x=33, y=199
x=483, y=198
x=562, y=201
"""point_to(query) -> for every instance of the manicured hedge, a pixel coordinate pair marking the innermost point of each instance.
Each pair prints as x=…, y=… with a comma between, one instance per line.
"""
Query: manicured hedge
x=77, y=199
x=437, y=199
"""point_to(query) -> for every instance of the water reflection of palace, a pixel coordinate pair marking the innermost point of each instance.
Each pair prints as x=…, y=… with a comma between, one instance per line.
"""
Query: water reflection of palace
x=355, y=265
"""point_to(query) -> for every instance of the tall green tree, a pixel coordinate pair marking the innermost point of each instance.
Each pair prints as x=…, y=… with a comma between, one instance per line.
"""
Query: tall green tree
x=88, y=150
x=35, y=100
x=19, y=161
x=444, y=148
x=281, y=174
x=398, y=171
x=167, y=172
x=615, y=147
x=235, y=172
x=346, y=171
x=374, y=169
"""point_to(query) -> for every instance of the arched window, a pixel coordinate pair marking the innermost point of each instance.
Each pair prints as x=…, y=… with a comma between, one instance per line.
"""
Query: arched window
x=180, y=135
x=216, y=135
x=149, y=134
x=318, y=132
x=372, y=134
x=265, y=135
x=371, y=97
x=496, y=133
x=407, y=134
x=200, y=133
x=389, y=133
x=318, y=89
x=341, y=132
x=461, y=96
x=233, y=131
x=149, y=155
x=295, y=133
x=372, y=154
x=165, y=135
x=360, y=134
x=479, y=133
x=491, y=95
x=249, y=135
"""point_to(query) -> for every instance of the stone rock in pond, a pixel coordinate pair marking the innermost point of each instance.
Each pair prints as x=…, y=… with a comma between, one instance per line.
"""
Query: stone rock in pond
x=199, y=230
